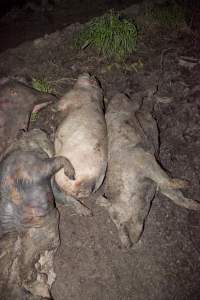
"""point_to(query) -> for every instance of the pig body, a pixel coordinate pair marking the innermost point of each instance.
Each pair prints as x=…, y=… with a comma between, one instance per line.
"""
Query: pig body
x=82, y=137
x=25, y=182
x=17, y=101
x=29, y=235
x=133, y=174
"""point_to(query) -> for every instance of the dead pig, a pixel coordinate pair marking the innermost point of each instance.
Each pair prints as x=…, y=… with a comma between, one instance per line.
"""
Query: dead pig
x=37, y=141
x=17, y=101
x=29, y=233
x=82, y=137
x=25, y=182
x=133, y=175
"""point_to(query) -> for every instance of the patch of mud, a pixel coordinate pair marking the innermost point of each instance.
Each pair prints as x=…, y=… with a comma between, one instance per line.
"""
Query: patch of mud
x=90, y=263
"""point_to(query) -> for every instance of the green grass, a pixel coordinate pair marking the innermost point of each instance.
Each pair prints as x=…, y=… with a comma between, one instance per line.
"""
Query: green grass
x=112, y=36
x=42, y=85
x=170, y=16
x=34, y=117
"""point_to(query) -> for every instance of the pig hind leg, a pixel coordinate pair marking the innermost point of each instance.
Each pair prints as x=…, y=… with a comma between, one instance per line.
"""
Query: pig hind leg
x=177, y=197
x=153, y=170
x=168, y=186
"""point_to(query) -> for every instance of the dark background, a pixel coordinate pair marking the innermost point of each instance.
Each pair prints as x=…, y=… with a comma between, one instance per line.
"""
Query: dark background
x=6, y=5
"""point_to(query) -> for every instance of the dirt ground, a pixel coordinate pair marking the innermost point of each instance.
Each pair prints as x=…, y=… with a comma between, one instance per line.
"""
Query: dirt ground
x=90, y=263
x=19, y=25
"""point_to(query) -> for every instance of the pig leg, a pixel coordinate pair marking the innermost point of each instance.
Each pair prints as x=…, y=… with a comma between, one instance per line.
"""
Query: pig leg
x=168, y=186
x=56, y=163
x=153, y=170
x=38, y=107
x=177, y=197
x=61, y=197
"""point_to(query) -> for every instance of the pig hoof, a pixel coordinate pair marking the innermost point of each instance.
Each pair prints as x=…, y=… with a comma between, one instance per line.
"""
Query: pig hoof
x=69, y=171
x=176, y=183
x=181, y=183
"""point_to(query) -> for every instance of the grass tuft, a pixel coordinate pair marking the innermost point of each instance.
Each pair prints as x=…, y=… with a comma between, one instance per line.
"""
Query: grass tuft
x=34, y=117
x=42, y=85
x=111, y=35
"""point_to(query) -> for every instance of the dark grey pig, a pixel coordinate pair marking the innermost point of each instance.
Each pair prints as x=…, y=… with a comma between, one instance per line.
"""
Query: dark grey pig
x=134, y=175
x=29, y=233
x=25, y=182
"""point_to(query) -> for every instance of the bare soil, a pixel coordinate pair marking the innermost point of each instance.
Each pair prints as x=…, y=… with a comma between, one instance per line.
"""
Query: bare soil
x=90, y=263
x=20, y=24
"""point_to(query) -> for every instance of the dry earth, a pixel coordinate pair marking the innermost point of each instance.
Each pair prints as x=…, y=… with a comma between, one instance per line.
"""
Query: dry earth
x=90, y=264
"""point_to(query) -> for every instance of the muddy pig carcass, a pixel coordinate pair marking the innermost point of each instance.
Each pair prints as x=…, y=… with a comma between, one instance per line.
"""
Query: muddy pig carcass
x=17, y=101
x=82, y=137
x=133, y=175
x=29, y=233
